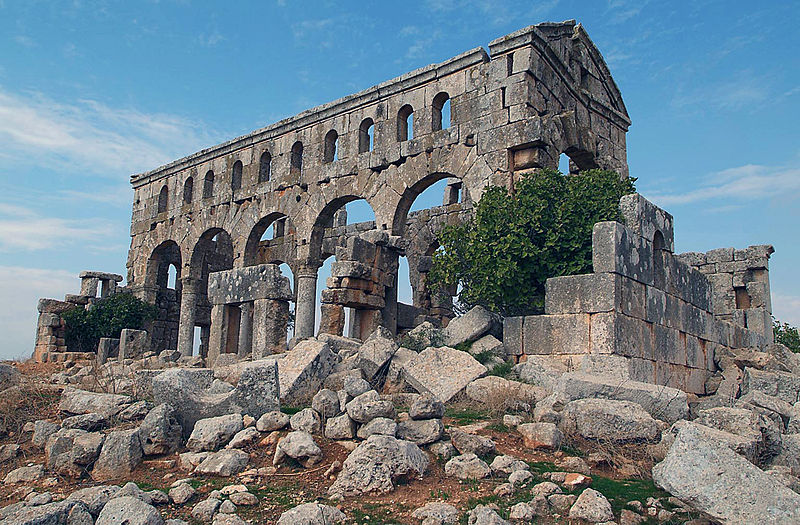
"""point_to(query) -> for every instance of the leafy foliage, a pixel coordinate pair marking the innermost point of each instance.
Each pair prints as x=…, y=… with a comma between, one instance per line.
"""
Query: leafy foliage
x=786, y=335
x=106, y=318
x=518, y=239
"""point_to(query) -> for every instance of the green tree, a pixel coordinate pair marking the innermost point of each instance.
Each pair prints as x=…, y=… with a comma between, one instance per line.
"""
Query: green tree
x=786, y=335
x=106, y=318
x=517, y=239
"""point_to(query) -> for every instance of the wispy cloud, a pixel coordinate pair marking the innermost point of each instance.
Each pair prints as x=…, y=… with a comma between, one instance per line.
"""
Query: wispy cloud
x=744, y=91
x=25, y=41
x=748, y=182
x=623, y=10
x=786, y=308
x=92, y=137
x=24, y=229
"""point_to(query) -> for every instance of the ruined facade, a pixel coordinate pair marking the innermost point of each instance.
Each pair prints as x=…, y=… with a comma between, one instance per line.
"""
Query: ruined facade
x=539, y=92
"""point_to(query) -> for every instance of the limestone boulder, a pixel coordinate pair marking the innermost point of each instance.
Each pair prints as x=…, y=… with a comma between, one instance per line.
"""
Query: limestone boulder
x=27, y=474
x=214, y=432
x=74, y=401
x=42, y=430
x=541, y=371
x=467, y=443
x=710, y=477
x=482, y=515
x=591, y=506
x=376, y=464
x=379, y=425
x=181, y=493
x=368, y=406
x=507, y=464
x=70, y=452
x=257, y=391
x=467, y=466
x=129, y=510
x=340, y=427
x=205, y=510
x=88, y=422
x=471, y=326
x=326, y=403
x=783, y=385
x=541, y=435
x=307, y=420
x=160, y=432
x=376, y=352
x=435, y=513
x=244, y=437
x=300, y=446
x=442, y=372
x=303, y=369
x=421, y=431
x=312, y=514
x=426, y=407
x=66, y=512
x=748, y=448
x=272, y=421
x=503, y=393
x=224, y=463
x=120, y=455
x=608, y=420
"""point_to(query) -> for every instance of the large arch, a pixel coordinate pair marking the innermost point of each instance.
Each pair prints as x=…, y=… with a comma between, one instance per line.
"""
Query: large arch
x=164, y=328
x=254, y=238
x=409, y=196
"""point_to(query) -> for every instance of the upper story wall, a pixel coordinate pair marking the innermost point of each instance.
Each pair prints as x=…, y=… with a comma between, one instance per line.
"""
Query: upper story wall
x=545, y=90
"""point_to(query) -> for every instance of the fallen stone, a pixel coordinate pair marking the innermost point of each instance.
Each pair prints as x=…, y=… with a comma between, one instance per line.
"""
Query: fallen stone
x=376, y=464
x=9, y=376
x=507, y=464
x=482, y=515
x=340, y=427
x=69, y=452
x=312, y=514
x=713, y=479
x=467, y=466
x=257, y=389
x=442, y=372
x=609, y=420
x=130, y=511
x=307, y=420
x=26, y=474
x=379, y=425
x=368, y=406
x=520, y=478
x=245, y=499
x=426, y=407
x=541, y=435
x=747, y=448
x=224, y=463
x=591, y=506
x=302, y=370
x=470, y=326
x=214, y=432
x=120, y=455
x=42, y=430
x=205, y=510
x=467, y=443
x=299, y=446
x=66, y=512
x=326, y=403
x=272, y=421
x=421, y=432
x=783, y=385
x=181, y=493
x=9, y=451
x=375, y=353
x=75, y=401
x=160, y=432
x=226, y=518
x=434, y=513
x=746, y=424
x=540, y=371
x=561, y=503
x=244, y=437
x=661, y=402
x=88, y=422
x=443, y=450
x=503, y=393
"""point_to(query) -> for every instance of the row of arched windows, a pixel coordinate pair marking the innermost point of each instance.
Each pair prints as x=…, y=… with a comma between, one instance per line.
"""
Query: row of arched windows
x=366, y=142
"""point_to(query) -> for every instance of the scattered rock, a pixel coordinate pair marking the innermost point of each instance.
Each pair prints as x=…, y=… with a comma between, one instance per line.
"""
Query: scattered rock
x=609, y=420
x=302, y=370
x=326, y=403
x=299, y=446
x=120, y=455
x=245, y=499
x=442, y=372
x=204, y=511
x=307, y=420
x=520, y=478
x=88, y=422
x=379, y=425
x=130, y=511
x=214, y=432
x=482, y=515
x=75, y=401
x=470, y=326
x=503, y=393
x=541, y=435
x=421, y=432
x=375, y=353
x=225, y=462
x=342, y=427
x=426, y=407
x=181, y=493
x=507, y=464
x=160, y=432
x=27, y=474
x=470, y=443
x=368, y=406
x=312, y=514
x=244, y=437
x=42, y=430
x=591, y=506
x=272, y=421
x=436, y=514
x=467, y=466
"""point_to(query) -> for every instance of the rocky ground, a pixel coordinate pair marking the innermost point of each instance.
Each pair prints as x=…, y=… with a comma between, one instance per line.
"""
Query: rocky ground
x=409, y=431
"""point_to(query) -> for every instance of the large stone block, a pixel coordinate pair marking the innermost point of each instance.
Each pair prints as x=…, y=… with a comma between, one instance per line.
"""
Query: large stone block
x=593, y=293
x=303, y=369
x=133, y=343
x=239, y=285
x=471, y=326
x=618, y=249
x=186, y=389
x=257, y=391
x=512, y=335
x=782, y=385
x=661, y=402
x=442, y=372
x=613, y=333
x=645, y=219
x=556, y=334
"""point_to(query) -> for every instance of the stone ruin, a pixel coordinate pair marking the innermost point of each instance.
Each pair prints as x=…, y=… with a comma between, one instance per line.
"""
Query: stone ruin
x=543, y=91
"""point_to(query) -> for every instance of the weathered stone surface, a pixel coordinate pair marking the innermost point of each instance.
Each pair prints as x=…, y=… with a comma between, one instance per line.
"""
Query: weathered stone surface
x=312, y=514
x=711, y=478
x=661, y=402
x=608, y=420
x=69, y=452
x=9, y=376
x=467, y=443
x=503, y=393
x=307, y=420
x=244, y=437
x=299, y=446
x=326, y=403
x=89, y=422
x=186, y=390
x=226, y=518
x=470, y=326
x=541, y=435
x=42, y=430
x=368, y=406
x=129, y=510
x=205, y=510
x=257, y=391
x=782, y=385
x=181, y=493
x=591, y=506
x=375, y=353
x=379, y=425
x=24, y=474
x=482, y=515
x=541, y=371
x=225, y=463
x=442, y=372
x=133, y=344
x=747, y=424
x=272, y=421
x=66, y=512
x=355, y=385
x=75, y=401
x=120, y=455
x=421, y=432
x=214, y=432
x=506, y=464
x=160, y=432
x=302, y=370
x=426, y=407
x=435, y=513
x=467, y=466
x=376, y=464
x=245, y=499
x=340, y=427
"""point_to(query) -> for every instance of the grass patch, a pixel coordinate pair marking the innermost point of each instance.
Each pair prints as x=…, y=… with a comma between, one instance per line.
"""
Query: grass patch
x=503, y=369
x=145, y=486
x=466, y=346
x=620, y=492
x=540, y=467
x=279, y=495
x=291, y=410
x=572, y=451
x=466, y=415
x=484, y=357
x=499, y=427
x=373, y=514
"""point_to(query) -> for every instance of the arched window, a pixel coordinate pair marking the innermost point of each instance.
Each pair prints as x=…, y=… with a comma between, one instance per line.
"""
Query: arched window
x=264, y=167
x=405, y=123
x=163, y=196
x=331, y=142
x=236, y=176
x=366, y=135
x=208, y=185
x=297, y=158
x=188, y=190
x=441, y=112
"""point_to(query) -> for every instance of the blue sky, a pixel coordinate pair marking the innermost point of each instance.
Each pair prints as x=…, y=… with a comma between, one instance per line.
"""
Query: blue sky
x=91, y=92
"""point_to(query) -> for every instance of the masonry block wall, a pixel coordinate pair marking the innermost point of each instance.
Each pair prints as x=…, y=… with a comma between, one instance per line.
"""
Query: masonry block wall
x=642, y=303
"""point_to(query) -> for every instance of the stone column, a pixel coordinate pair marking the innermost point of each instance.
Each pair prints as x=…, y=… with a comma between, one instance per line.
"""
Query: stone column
x=245, y=328
x=305, y=309
x=89, y=286
x=270, y=323
x=331, y=319
x=389, y=311
x=188, y=316
x=354, y=324
x=219, y=333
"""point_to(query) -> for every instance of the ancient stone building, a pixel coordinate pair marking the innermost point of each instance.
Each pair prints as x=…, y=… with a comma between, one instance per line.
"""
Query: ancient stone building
x=538, y=93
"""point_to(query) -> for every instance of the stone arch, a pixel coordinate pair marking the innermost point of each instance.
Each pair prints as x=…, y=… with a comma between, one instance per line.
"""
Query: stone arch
x=236, y=175
x=188, y=190
x=408, y=197
x=257, y=231
x=440, y=101
x=164, y=328
x=324, y=220
x=163, y=199
x=164, y=255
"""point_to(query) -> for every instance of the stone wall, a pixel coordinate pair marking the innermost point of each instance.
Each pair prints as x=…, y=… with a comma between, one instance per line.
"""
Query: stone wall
x=538, y=93
x=643, y=314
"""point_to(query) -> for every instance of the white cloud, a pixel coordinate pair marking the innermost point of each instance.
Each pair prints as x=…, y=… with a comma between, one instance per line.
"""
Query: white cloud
x=742, y=183
x=23, y=229
x=21, y=289
x=92, y=137
x=786, y=308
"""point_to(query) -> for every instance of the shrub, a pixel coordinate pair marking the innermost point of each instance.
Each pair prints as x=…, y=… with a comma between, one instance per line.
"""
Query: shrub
x=518, y=239
x=106, y=318
x=786, y=335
